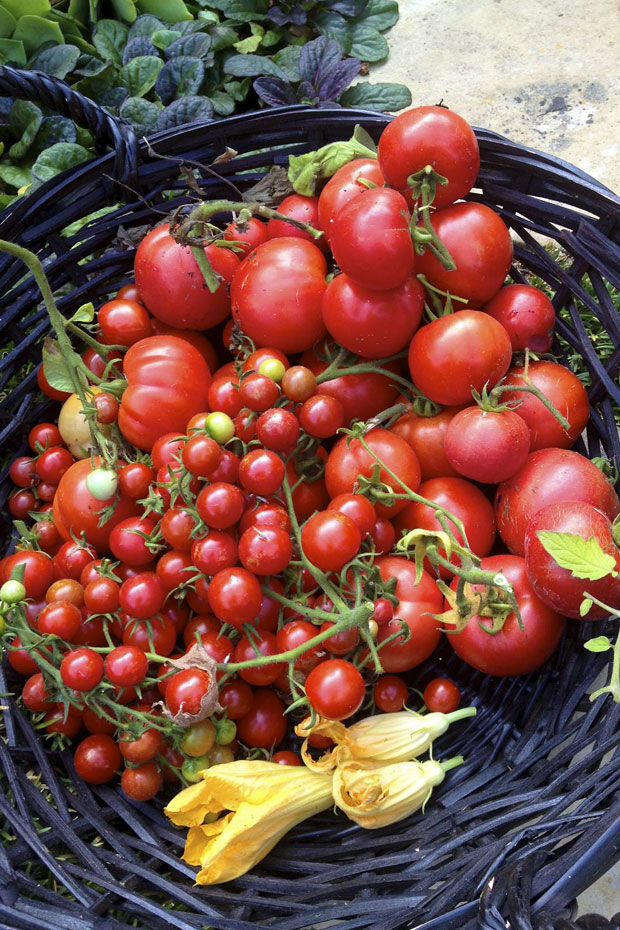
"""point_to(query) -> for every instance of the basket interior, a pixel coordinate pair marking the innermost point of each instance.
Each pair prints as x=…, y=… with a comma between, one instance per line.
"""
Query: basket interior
x=540, y=783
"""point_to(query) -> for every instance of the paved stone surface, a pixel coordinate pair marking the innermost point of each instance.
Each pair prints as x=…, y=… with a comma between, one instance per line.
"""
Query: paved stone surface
x=545, y=74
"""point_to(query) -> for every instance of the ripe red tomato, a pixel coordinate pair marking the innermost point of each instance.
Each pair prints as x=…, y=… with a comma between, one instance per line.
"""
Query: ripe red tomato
x=502, y=434
x=430, y=136
x=264, y=725
x=371, y=240
x=458, y=352
x=308, y=496
x=511, y=651
x=186, y=689
x=126, y=666
x=465, y=501
x=527, y=315
x=38, y=573
x=81, y=669
x=249, y=234
x=479, y=242
x=97, y=759
x=557, y=586
x=171, y=283
x=330, y=540
x=441, y=696
x=373, y=324
x=235, y=596
x=349, y=459
x=292, y=271
x=168, y=382
x=265, y=550
x=76, y=511
x=362, y=395
x=335, y=689
x=343, y=186
x=265, y=644
x=236, y=698
x=417, y=603
x=142, y=782
x=304, y=209
x=566, y=393
x=426, y=436
x=390, y=693
x=358, y=508
x=123, y=322
x=549, y=475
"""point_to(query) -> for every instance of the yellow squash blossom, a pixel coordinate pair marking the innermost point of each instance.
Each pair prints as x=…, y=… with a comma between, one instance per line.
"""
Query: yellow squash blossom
x=384, y=738
x=375, y=797
x=264, y=800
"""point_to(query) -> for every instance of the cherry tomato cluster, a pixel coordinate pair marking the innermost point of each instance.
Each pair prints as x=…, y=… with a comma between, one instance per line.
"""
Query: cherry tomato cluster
x=245, y=491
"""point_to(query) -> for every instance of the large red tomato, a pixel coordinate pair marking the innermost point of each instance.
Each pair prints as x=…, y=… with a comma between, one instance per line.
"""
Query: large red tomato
x=373, y=324
x=362, y=395
x=426, y=436
x=277, y=292
x=171, y=283
x=549, y=475
x=527, y=314
x=430, y=136
x=511, y=651
x=76, y=511
x=458, y=352
x=479, y=242
x=371, y=240
x=417, y=603
x=461, y=498
x=566, y=393
x=349, y=459
x=343, y=186
x=167, y=383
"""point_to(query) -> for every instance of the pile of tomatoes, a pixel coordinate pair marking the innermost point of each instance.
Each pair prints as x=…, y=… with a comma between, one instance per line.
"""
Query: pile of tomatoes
x=238, y=473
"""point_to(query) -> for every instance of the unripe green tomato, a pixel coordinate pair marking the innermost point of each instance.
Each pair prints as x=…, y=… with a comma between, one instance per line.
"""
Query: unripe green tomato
x=219, y=426
x=226, y=731
x=102, y=483
x=12, y=592
x=198, y=739
x=272, y=368
x=221, y=754
x=192, y=768
x=2, y=626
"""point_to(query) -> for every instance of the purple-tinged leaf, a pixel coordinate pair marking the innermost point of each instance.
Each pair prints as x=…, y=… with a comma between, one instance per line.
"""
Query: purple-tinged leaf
x=317, y=57
x=351, y=8
x=274, y=91
x=338, y=79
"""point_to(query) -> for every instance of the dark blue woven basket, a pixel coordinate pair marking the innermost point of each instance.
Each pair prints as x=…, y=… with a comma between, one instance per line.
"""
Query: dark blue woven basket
x=533, y=817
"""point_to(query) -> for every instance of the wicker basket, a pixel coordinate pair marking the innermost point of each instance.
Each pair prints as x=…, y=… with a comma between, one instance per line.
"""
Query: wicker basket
x=533, y=817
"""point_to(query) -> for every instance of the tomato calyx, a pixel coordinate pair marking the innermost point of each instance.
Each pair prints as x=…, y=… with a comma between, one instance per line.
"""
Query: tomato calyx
x=423, y=186
x=439, y=307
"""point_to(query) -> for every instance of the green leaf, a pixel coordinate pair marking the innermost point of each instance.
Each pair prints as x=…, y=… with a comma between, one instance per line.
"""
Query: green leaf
x=584, y=607
x=583, y=558
x=598, y=644
x=7, y=23
x=110, y=39
x=190, y=109
x=367, y=43
x=25, y=119
x=306, y=170
x=55, y=129
x=252, y=66
x=180, y=77
x=125, y=10
x=382, y=14
x=89, y=66
x=59, y=158
x=56, y=370
x=139, y=74
x=196, y=46
x=238, y=90
x=57, y=61
x=144, y=25
x=222, y=37
x=165, y=37
x=142, y=114
x=34, y=31
x=12, y=51
x=14, y=175
x=170, y=11
x=383, y=97
x=223, y=104
x=207, y=18
x=252, y=43
x=78, y=9
x=334, y=26
x=19, y=8
x=243, y=11
x=288, y=59
x=84, y=314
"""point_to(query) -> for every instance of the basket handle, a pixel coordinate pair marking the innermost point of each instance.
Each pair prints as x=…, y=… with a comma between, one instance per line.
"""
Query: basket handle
x=108, y=131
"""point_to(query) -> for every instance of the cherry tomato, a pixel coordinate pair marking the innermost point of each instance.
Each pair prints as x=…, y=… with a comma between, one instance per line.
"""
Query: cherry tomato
x=44, y=436
x=286, y=757
x=220, y=505
x=128, y=540
x=358, y=508
x=135, y=479
x=34, y=694
x=321, y=416
x=81, y=669
x=248, y=233
x=156, y=635
x=126, y=666
x=235, y=596
x=186, y=689
x=236, y=698
x=264, y=725
x=97, y=759
x=142, y=596
x=335, y=689
x=142, y=782
x=277, y=429
x=390, y=693
x=263, y=644
x=261, y=472
x=330, y=539
x=302, y=208
x=61, y=619
x=123, y=322
x=265, y=550
x=441, y=696
x=38, y=571
x=527, y=315
x=143, y=748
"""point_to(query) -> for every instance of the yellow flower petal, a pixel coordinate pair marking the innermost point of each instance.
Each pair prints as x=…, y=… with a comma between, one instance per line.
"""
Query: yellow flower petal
x=266, y=800
x=374, y=797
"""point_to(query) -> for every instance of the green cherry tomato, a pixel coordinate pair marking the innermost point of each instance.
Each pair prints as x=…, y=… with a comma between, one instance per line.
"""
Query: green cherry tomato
x=192, y=768
x=226, y=731
x=220, y=427
x=272, y=368
x=102, y=483
x=12, y=592
x=198, y=739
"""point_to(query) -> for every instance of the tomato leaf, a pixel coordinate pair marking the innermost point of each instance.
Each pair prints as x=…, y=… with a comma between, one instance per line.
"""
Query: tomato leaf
x=84, y=314
x=583, y=558
x=55, y=368
x=585, y=606
x=598, y=644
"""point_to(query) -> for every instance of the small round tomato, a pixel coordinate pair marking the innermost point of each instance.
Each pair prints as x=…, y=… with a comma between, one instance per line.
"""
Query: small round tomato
x=61, y=619
x=97, y=759
x=527, y=315
x=142, y=596
x=277, y=429
x=502, y=434
x=235, y=596
x=81, y=669
x=301, y=208
x=220, y=505
x=417, y=604
x=247, y=234
x=142, y=782
x=128, y=540
x=426, y=436
x=264, y=726
x=126, y=666
x=390, y=693
x=441, y=696
x=143, y=748
x=186, y=689
x=265, y=644
x=236, y=698
x=335, y=689
x=343, y=186
x=38, y=570
x=216, y=551
x=321, y=416
x=261, y=472
x=265, y=550
x=330, y=539
x=362, y=395
x=358, y=508
x=44, y=436
x=123, y=322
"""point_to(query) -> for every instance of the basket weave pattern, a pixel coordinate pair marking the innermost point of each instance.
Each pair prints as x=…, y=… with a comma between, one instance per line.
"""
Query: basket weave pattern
x=529, y=821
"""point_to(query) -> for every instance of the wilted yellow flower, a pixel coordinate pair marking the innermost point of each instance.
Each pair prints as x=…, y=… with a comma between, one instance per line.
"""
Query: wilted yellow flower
x=384, y=738
x=265, y=801
x=374, y=797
